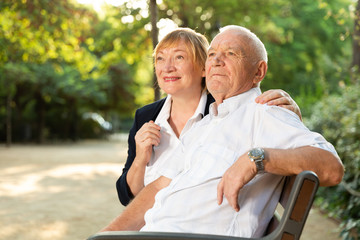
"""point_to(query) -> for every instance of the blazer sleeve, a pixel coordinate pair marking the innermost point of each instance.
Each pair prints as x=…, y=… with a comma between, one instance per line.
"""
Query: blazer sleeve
x=122, y=187
x=142, y=115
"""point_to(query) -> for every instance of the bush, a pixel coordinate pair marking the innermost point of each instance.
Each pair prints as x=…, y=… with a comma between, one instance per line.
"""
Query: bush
x=337, y=117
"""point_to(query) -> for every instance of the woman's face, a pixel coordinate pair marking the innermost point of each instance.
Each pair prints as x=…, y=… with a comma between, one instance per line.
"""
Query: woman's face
x=176, y=73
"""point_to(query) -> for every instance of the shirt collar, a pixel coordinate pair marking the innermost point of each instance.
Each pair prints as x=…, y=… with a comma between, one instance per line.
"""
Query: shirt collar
x=164, y=113
x=233, y=103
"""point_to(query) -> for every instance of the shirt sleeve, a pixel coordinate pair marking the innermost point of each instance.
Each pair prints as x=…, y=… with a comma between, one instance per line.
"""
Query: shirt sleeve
x=278, y=127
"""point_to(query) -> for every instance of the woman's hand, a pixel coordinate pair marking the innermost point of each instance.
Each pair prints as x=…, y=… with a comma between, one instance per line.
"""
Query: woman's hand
x=279, y=98
x=146, y=137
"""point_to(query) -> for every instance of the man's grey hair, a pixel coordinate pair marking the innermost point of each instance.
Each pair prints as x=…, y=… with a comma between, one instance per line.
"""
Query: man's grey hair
x=259, y=47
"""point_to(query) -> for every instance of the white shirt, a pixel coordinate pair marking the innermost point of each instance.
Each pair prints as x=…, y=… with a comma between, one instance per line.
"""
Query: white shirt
x=169, y=141
x=189, y=203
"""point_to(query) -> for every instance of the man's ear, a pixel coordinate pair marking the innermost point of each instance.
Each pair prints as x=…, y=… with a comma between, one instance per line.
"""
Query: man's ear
x=260, y=72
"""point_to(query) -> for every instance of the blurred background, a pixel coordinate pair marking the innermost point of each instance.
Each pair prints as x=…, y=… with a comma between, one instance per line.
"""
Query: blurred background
x=78, y=69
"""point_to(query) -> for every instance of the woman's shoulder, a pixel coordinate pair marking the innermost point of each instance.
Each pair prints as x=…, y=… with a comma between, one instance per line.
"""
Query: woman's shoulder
x=152, y=106
x=151, y=110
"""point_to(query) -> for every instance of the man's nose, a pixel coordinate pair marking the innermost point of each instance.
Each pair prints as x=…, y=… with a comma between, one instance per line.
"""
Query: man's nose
x=218, y=60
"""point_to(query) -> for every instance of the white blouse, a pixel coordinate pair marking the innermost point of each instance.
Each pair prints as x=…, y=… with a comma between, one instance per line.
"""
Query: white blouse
x=169, y=141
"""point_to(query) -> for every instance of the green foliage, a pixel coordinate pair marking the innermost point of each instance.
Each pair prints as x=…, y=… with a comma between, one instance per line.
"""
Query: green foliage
x=53, y=71
x=337, y=117
x=57, y=54
x=308, y=42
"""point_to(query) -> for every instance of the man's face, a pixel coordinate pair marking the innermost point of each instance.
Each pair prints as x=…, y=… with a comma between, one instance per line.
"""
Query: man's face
x=229, y=70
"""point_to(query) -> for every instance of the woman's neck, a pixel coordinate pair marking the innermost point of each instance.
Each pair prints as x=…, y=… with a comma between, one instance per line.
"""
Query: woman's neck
x=182, y=109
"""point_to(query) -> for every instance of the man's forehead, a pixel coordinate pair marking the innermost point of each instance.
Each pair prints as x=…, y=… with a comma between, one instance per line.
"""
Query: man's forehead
x=228, y=41
x=233, y=45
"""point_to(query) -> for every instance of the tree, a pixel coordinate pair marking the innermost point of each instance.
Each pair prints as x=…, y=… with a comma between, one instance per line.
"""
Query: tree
x=356, y=44
x=35, y=32
x=49, y=50
x=154, y=36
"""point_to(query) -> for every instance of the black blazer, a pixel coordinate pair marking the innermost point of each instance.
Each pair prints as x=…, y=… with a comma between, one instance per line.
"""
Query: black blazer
x=142, y=116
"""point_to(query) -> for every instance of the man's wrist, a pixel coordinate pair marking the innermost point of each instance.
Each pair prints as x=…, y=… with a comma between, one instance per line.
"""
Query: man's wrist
x=257, y=155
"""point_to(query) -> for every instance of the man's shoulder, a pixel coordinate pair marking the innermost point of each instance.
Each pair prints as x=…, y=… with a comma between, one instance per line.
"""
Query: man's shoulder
x=275, y=111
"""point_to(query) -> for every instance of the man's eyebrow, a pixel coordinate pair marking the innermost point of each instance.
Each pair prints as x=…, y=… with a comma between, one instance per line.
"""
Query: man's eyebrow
x=237, y=48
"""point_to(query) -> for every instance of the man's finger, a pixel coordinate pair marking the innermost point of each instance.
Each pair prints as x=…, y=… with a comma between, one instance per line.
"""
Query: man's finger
x=220, y=191
x=232, y=199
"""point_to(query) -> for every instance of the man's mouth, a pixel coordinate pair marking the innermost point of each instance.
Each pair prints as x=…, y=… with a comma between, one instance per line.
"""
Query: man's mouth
x=217, y=75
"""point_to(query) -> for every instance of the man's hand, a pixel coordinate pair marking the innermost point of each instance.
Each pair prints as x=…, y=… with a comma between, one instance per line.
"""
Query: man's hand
x=239, y=174
x=279, y=98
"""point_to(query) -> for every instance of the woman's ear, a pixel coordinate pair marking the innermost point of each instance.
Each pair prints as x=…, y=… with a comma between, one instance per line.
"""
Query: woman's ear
x=260, y=71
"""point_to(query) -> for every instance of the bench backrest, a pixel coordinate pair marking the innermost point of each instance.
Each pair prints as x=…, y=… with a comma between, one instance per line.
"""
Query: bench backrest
x=295, y=203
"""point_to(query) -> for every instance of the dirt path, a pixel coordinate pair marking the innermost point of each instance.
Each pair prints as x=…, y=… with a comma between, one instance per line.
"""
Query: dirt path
x=67, y=191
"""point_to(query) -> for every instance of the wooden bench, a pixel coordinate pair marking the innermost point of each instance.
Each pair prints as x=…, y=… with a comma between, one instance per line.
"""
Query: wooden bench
x=297, y=198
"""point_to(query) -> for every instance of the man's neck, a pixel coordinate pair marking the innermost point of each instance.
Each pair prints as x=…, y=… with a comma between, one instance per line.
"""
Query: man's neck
x=220, y=98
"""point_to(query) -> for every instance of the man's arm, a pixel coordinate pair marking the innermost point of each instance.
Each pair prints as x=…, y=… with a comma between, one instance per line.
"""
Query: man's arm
x=285, y=162
x=325, y=164
x=132, y=218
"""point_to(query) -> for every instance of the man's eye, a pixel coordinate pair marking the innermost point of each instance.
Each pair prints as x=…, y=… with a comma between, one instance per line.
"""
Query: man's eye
x=231, y=53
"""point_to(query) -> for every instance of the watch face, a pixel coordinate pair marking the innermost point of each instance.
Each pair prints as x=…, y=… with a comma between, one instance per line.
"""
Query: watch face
x=256, y=153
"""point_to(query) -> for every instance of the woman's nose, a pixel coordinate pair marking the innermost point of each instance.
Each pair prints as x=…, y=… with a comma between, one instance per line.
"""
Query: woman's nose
x=169, y=65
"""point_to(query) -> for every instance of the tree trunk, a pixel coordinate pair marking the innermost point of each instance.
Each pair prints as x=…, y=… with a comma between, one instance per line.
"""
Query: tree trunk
x=74, y=121
x=40, y=111
x=154, y=36
x=8, y=119
x=356, y=44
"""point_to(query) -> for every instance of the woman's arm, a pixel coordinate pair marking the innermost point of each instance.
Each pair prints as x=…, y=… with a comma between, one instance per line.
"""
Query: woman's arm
x=142, y=115
x=147, y=137
x=122, y=187
x=132, y=218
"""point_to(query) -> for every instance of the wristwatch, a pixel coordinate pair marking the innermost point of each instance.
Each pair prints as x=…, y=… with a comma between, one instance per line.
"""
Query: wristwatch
x=257, y=155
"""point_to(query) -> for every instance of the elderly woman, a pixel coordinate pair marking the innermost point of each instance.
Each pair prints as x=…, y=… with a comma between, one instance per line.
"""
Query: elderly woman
x=159, y=127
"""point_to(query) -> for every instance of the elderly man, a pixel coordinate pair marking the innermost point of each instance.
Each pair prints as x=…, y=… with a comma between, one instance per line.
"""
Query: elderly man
x=267, y=142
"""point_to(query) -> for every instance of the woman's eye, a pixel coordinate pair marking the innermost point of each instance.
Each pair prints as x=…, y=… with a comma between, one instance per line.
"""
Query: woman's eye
x=231, y=53
x=159, y=59
x=211, y=54
x=179, y=57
